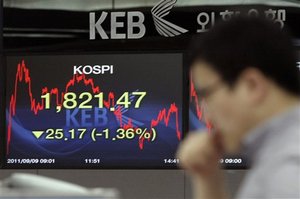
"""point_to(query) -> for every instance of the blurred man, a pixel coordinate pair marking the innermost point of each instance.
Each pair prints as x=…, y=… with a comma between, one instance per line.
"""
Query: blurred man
x=245, y=70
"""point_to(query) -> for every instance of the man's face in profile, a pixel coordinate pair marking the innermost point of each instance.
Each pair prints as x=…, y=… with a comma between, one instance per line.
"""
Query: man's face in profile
x=227, y=106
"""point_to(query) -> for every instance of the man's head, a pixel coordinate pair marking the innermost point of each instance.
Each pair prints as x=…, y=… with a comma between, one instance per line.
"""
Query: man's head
x=245, y=69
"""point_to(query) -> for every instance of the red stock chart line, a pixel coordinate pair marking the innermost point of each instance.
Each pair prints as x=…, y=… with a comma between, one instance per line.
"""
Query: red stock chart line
x=23, y=76
x=199, y=108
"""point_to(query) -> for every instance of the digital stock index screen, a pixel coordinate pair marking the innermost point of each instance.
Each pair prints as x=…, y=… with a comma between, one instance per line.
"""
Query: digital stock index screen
x=93, y=111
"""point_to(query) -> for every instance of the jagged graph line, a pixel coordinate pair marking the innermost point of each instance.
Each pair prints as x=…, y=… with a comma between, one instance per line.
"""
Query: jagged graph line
x=23, y=76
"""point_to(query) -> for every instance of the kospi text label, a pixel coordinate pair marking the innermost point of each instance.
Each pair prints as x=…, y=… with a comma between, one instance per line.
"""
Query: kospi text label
x=96, y=69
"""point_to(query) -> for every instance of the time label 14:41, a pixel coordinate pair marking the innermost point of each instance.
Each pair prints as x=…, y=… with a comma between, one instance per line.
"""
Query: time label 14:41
x=87, y=100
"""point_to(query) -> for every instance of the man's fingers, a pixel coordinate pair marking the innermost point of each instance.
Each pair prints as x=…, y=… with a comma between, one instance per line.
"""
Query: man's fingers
x=217, y=137
x=198, y=152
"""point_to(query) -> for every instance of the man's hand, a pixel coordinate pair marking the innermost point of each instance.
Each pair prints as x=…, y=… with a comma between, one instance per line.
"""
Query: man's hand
x=199, y=153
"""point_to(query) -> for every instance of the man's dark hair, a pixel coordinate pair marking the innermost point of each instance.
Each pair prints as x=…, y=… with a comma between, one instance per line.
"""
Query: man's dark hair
x=242, y=42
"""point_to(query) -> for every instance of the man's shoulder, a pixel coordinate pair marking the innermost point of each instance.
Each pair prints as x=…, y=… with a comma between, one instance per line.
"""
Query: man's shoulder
x=280, y=147
x=276, y=166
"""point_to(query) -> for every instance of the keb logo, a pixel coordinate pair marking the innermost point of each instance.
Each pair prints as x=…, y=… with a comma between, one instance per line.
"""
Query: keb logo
x=164, y=27
x=134, y=21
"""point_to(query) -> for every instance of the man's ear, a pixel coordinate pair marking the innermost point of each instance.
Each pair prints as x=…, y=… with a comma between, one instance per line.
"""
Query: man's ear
x=255, y=84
